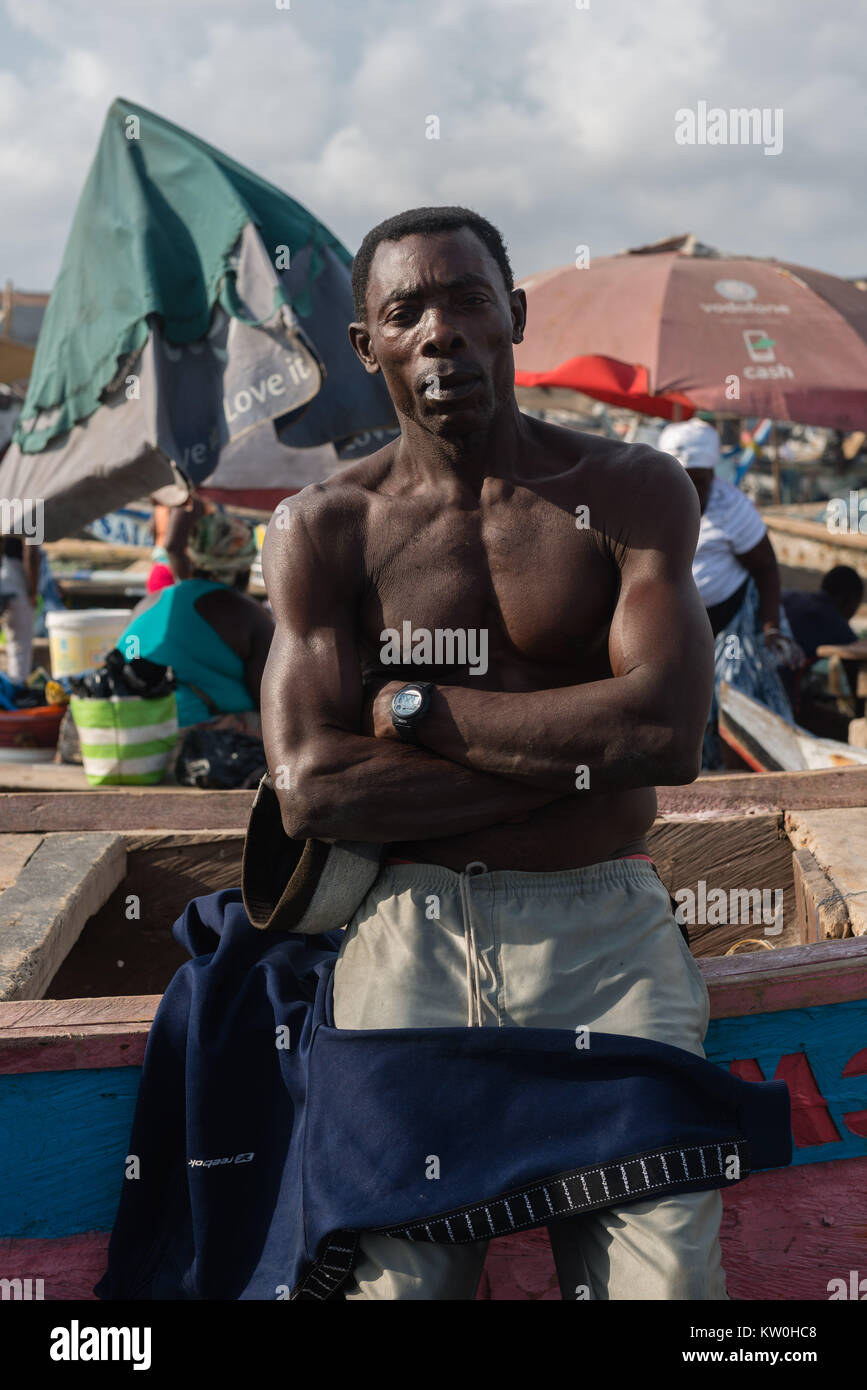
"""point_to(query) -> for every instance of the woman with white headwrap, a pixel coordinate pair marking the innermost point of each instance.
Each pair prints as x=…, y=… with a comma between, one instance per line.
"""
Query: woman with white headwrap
x=736, y=574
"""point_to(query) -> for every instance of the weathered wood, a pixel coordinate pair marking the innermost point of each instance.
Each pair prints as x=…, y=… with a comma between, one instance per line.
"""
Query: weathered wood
x=100, y=554
x=42, y=914
x=42, y=777
x=49, y=1018
x=15, y=850
x=839, y=846
x=821, y=911
x=168, y=808
x=127, y=808
x=737, y=856
x=101, y=1046
x=128, y=943
x=805, y=544
x=792, y=978
x=159, y=841
x=771, y=744
x=787, y=1233
x=62, y=1144
x=790, y=519
x=74, y=1034
x=519, y=1268
x=752, y=794
x=68, y=1266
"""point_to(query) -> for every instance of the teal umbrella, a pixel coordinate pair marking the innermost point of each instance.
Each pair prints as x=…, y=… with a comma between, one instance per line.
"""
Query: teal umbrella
x=198, y=311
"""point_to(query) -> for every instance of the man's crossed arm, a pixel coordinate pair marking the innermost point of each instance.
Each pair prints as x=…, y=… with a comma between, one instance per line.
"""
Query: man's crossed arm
x=500, y=754
x=642, y=728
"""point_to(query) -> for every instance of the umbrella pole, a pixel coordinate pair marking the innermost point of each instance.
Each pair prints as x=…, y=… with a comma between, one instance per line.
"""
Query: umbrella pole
x=775, y=465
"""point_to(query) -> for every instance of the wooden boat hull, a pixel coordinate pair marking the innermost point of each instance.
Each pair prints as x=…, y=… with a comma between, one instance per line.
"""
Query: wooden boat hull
x=70, y=1067
x=768, y=743
x=786, y=1232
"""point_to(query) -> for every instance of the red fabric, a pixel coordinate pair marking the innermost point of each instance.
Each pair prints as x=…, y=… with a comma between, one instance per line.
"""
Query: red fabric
x=615, y=383
x=260, y=499
x=160, y=577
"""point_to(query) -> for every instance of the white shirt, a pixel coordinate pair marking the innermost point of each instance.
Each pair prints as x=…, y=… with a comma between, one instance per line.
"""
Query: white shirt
x=730, y=526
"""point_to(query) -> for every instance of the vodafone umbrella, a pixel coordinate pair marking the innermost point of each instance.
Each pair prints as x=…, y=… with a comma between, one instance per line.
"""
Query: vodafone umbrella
x=676, y=327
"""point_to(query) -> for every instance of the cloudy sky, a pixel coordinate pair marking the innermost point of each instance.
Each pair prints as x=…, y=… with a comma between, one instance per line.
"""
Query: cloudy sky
x=556, y=122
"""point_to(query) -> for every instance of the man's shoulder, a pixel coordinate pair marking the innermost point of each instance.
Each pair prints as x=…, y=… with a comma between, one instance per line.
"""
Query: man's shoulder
x=609, y=457
x=345, y=496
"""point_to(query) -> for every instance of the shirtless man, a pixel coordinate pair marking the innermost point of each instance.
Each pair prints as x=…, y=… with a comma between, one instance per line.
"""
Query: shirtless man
x=520, y=793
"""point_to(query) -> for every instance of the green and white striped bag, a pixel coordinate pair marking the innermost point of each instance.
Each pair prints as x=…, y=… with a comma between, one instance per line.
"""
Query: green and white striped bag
x=125, y=740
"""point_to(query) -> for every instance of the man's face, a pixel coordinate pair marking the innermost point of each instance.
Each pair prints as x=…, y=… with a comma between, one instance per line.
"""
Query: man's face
x=440, y=327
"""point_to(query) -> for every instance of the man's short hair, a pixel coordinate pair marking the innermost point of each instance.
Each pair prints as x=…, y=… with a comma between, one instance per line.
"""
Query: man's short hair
x=423, y=222
x=843, y=583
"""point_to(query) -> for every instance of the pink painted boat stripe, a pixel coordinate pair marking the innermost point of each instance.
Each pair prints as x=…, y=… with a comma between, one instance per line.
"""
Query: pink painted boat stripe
x=68, y=1266
x=117, y=1048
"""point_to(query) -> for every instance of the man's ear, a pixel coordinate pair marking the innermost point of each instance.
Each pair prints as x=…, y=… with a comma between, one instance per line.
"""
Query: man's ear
x=518, y=306
x=360, y=340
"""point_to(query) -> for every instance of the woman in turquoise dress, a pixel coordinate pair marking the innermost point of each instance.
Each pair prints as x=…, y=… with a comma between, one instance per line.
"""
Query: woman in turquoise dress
x=213, y=635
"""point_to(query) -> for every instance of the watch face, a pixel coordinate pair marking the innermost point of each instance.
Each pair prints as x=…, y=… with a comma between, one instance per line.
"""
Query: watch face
x=406, y=703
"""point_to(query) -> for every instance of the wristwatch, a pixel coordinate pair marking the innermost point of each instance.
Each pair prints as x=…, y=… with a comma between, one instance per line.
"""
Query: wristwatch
x=408, y=707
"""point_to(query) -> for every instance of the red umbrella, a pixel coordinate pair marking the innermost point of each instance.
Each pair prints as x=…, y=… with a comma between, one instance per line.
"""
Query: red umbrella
x=674, y=328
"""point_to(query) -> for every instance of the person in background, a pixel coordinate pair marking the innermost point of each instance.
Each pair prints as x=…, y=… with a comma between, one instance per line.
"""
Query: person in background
x=214, y=636
x=735, y=572
x=160, y=575
x=172, y=527
x=19, y=585
x=822, y=619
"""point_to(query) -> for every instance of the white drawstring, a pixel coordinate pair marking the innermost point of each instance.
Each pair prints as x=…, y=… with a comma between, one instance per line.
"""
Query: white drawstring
x=474, y=989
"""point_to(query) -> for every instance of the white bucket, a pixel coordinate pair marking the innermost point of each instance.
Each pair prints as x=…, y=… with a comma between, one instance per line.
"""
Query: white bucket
x=79, y=639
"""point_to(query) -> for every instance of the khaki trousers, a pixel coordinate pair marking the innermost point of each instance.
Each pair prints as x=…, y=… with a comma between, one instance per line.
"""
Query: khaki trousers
x=596, y=947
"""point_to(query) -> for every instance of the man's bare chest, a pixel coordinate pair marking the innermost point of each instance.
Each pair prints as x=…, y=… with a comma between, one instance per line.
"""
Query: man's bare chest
x=538, y=589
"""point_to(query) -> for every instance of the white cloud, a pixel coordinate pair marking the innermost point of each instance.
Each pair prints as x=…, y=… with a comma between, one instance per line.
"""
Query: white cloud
x=557, y=123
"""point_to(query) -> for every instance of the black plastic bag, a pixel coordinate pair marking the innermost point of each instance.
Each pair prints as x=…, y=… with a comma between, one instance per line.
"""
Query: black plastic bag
x=117, y=676
x=220, y=759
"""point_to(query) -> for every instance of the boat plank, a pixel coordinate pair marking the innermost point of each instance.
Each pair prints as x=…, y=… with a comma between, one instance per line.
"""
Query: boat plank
x=794, y=977
x=74, y=1034
x=15, y=850
x=821, y=910
x=756, y=793
x=839, y=846
x=732, y=855
x=170, y=808
x=127, y=808
x=62, y=884
x=66, y=1267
